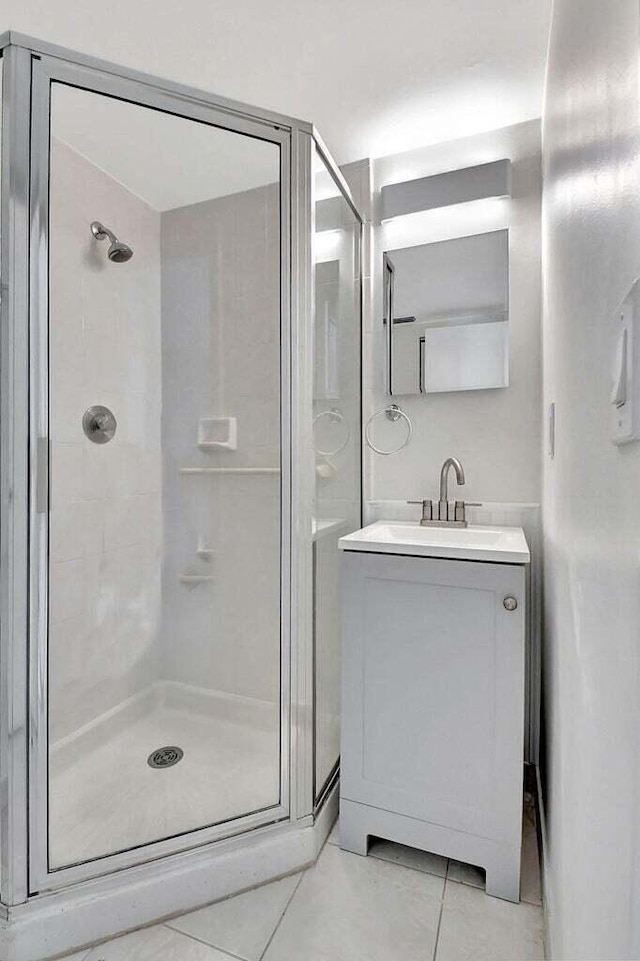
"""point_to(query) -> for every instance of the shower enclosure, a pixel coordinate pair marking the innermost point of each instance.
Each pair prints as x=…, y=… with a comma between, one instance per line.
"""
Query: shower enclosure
x=180, y=451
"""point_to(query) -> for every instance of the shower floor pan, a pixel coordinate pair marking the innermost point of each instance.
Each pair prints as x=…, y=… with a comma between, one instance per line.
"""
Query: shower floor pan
x=104, y=797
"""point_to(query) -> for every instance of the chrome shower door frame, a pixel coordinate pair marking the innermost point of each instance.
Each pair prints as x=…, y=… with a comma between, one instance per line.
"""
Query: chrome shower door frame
x=320, y=793
x=14, y=474
x=103, y=79
x=305, y=142
x=28, y=890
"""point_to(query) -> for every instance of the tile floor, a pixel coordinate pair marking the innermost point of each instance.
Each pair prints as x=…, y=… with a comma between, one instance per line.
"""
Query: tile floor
x=398, y=904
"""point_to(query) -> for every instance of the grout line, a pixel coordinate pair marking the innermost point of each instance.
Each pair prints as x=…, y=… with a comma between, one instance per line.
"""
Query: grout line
x=467, y=884
x=192, y=937
x=286, y=908
x=401, y=864
x=444, y=888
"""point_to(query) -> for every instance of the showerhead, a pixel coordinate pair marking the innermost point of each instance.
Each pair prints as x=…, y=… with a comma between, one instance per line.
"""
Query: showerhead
x=118, y=252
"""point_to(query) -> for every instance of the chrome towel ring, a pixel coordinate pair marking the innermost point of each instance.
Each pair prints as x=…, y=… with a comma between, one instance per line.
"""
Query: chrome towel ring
x=393, y=413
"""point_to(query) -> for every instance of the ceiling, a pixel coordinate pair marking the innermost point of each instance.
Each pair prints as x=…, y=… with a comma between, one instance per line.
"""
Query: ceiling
x=375, y=77
x=199, y=162
x=165, y=160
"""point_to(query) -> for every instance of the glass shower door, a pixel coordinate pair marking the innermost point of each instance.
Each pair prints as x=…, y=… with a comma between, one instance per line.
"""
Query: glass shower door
x=337, y=435
x=163, y=413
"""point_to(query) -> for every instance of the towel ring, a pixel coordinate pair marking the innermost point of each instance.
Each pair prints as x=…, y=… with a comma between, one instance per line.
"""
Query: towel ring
x=336, y=415
x=393, y=413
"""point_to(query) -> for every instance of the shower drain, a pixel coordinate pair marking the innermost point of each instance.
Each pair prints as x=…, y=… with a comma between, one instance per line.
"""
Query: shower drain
x=165, y=757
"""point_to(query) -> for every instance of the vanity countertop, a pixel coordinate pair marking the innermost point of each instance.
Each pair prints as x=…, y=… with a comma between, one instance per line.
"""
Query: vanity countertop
x=504, y=545
x=321, y=526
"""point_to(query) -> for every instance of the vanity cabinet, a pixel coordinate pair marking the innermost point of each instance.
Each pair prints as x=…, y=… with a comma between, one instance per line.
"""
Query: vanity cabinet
x=433, y=708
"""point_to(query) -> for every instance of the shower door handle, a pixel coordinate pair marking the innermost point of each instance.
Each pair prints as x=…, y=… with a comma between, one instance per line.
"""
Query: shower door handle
x=42, y=475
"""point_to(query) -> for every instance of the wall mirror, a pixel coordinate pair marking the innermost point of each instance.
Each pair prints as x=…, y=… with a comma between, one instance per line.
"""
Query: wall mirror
x=448, y=303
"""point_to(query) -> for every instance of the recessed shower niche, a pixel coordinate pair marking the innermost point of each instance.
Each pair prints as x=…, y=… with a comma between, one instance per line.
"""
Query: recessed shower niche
x=157, y=586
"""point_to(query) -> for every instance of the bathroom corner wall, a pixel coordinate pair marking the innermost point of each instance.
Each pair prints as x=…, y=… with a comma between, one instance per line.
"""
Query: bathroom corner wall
x=221, y=357
x=591, y=238
x=105, y=510
x=495, y=433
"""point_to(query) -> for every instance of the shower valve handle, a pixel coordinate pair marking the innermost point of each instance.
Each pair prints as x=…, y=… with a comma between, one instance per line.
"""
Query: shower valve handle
x=99, y=424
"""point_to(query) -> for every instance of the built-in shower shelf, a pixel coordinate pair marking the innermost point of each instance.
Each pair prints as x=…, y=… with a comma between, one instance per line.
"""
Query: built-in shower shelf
x=229, y=470
x=218, y=433
x=194, y=578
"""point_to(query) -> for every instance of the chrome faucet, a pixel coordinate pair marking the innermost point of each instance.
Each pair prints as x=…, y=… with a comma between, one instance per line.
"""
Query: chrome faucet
x=443, y=514
x=444, y=479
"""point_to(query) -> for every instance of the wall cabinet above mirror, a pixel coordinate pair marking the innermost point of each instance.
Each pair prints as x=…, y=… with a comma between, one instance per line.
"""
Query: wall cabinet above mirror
x=449, y=309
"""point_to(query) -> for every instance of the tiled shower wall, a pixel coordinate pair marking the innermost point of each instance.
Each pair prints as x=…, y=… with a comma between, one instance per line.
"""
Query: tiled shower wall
x=162, y=341
x=221, y=357
x=106, y=501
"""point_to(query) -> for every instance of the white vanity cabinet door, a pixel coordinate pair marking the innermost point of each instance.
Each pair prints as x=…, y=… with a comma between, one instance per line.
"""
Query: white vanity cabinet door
x=433, y=695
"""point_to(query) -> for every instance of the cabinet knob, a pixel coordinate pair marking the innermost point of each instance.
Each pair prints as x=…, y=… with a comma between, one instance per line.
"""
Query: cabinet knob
x=510, y=603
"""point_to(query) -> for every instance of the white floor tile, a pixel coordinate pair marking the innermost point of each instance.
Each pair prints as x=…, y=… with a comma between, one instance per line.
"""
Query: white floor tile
x=530, y=884
x=475, y=927
x=351, y=908
x=155, y=944
x=399, y=854
x=334, y=837
x=466, y=874
x=409, y=857
x=241, y=925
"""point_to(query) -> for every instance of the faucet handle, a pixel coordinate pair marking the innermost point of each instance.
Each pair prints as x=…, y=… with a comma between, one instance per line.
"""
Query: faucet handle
x=427, y=509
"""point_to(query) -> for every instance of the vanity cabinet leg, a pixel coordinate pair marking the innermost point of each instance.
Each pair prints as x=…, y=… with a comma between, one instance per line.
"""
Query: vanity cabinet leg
x=503, y=878
x=352, y=832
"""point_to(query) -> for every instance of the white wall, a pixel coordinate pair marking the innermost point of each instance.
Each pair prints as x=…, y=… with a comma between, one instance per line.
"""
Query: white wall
x=495, y=433
x=105, y=511
x=591, y=505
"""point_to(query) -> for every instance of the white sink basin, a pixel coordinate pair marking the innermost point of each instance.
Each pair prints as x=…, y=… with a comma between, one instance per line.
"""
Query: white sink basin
x=503, y=544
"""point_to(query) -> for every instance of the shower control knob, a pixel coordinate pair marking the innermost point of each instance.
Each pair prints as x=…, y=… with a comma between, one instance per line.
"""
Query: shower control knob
x=99, y=424
x=510, y=603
